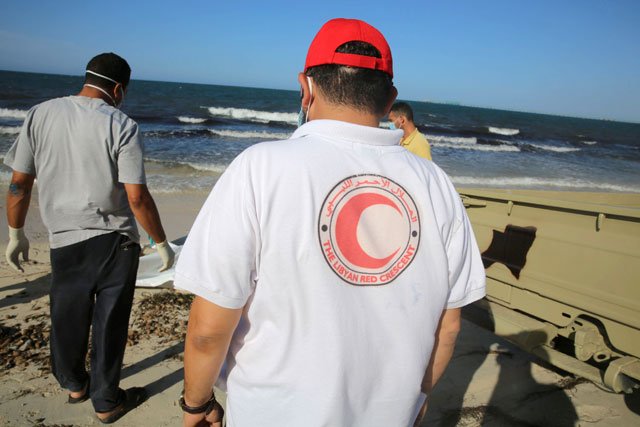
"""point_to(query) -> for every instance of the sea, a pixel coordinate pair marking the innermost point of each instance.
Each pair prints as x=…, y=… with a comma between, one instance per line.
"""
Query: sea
x=191, y=133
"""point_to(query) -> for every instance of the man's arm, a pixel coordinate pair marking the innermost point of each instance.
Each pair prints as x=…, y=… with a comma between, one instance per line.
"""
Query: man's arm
x=208, y=336
x=446, y=335
x=18, y=200
x=146, y=212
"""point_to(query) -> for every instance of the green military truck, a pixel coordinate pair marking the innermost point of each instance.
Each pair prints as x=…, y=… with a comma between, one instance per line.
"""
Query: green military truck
x=563, y=277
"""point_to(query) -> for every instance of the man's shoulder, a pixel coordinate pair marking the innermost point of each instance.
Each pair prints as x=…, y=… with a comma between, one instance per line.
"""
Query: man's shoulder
x=124, y=119
x=261, y=149
x=420, y=136
x=50, y=104
x=261, y=156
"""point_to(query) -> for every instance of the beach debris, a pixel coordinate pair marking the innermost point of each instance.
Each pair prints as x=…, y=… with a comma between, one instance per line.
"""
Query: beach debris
x=163, y=315
x=24, y=346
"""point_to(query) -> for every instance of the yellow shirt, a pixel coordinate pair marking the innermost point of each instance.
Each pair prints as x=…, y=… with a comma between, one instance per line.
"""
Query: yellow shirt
x=417, y=144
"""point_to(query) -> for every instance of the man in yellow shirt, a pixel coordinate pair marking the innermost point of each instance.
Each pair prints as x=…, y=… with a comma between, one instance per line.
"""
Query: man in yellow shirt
x=401, y=117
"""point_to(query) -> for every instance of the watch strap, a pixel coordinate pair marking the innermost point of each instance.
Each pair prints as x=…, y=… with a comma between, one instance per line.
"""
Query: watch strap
x=206, y=407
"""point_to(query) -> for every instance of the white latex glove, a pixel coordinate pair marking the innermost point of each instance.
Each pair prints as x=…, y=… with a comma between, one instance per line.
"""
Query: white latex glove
x=166, y=254
x=18, y=244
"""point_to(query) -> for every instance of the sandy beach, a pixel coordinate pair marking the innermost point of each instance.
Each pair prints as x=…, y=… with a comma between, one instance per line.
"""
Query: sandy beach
x=489, y=382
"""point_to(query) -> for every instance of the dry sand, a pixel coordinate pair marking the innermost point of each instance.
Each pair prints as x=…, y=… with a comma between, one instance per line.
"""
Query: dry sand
x=489, y=382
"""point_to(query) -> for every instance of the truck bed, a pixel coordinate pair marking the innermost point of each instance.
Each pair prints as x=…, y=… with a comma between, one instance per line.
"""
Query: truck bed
x=563, y=272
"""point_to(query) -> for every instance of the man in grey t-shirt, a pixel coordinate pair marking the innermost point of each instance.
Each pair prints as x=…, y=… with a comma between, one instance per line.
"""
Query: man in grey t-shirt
x=88, y=158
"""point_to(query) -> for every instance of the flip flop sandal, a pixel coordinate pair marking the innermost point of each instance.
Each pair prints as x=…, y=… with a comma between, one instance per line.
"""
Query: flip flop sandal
x=133, y=398
x=80, y=399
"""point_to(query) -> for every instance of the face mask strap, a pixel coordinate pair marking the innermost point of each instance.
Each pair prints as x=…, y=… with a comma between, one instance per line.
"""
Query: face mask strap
x=103, y=91
x=103, y=77
x=306, y=118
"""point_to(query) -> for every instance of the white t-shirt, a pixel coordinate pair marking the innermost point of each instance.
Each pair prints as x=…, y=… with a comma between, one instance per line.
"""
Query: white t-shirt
x=344, y=249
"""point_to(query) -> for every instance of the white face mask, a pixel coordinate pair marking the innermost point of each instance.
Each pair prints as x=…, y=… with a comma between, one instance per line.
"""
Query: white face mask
x=117, y=105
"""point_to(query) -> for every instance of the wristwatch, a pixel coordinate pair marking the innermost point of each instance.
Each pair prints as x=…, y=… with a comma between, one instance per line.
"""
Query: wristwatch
x=206, y=407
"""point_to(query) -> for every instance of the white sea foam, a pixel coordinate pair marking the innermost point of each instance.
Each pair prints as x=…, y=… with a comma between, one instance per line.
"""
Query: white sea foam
x=253, y=115
x=452, y=139
x=504, y=131
x=467, y=143
x=533, y=182
x=192, y=120
x=590, y=142
x=267, y=136
x=13, y=114
x=555, y=149
x=179, y=184
x=177, y=167
x=9, y=130
x=477, y=147
x=207, y=167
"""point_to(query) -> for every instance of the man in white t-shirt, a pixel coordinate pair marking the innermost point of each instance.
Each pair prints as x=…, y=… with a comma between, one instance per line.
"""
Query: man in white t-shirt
x=329, y=268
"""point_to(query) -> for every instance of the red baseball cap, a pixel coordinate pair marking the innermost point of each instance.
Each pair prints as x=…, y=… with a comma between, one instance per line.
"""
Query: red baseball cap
x=337, y=32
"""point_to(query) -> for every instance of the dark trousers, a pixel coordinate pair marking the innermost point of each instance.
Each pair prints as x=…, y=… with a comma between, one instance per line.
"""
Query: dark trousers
x=92, y=286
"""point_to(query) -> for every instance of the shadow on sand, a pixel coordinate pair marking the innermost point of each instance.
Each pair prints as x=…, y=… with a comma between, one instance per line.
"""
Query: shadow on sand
x=163, y=383
x=515, y=398
x=25, y=291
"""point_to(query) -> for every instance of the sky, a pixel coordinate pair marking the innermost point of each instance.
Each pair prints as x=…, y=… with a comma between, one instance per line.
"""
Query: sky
x=576, y=58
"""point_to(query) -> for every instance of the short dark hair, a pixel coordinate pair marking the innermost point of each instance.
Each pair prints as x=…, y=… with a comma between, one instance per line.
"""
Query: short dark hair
x=109, y=65
x=403, y=109
x=364, y=89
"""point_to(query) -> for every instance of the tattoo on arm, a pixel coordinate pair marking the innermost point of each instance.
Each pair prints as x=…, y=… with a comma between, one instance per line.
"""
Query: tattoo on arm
x=17, y=190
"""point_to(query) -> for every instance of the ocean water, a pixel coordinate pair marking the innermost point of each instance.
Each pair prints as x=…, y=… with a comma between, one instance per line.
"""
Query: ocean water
x=192, y=132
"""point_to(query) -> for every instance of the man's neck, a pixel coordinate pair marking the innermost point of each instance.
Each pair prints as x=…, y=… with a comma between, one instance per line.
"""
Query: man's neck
x=342, y=113
x=90, y=92
x=408, y=129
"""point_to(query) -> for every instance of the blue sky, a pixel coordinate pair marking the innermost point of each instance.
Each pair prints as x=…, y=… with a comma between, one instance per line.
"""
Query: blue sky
x=567, y=57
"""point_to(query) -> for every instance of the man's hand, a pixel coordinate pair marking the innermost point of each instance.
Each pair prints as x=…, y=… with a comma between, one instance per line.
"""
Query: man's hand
x=166, y=254
x=18, y=244
x=213, y=418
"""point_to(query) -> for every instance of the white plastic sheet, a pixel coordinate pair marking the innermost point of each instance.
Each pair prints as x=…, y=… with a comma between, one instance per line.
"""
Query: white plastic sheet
x=148, y=275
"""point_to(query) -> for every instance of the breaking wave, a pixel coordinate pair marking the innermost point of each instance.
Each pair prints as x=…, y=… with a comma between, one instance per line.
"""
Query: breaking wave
x=191, y=120
x=267, y=136
x=533, y=182
x=451, y=139
x=478, y=147
x=253, y=115
x=504, y=131
x=9, y=130
x=555, y=149
x=13, y=114
x=173, y=167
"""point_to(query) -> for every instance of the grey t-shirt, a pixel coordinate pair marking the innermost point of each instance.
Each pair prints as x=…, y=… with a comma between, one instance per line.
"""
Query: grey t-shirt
x=81, y=151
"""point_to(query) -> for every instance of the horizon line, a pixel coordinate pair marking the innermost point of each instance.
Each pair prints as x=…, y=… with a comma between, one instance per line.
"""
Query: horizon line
x=436, y=102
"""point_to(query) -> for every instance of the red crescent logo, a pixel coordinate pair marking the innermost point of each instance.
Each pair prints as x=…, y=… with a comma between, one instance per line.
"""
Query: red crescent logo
x=369, y=230
x=346, y=229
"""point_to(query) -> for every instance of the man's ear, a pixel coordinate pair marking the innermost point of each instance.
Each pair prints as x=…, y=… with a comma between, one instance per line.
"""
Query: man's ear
x=392, y=97
x=305, y=91
x=117, y=92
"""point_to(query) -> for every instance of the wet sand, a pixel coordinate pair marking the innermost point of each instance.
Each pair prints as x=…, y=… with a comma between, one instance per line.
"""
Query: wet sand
x=489, y=382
